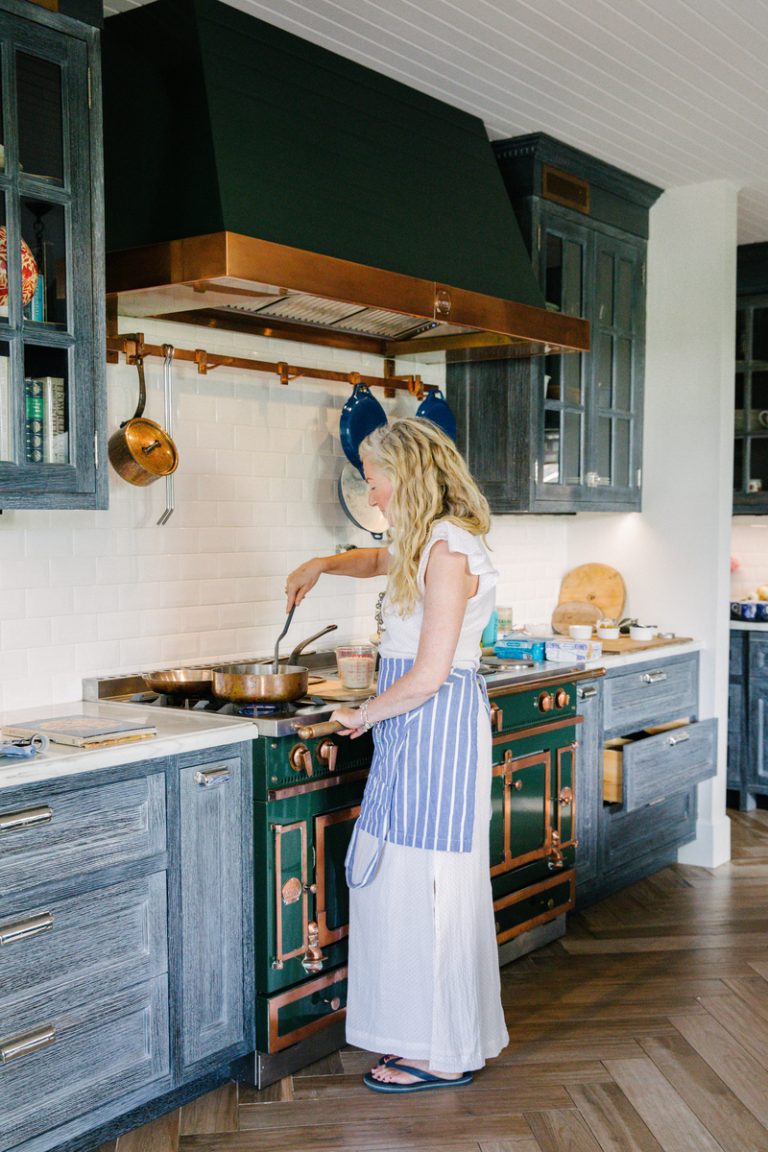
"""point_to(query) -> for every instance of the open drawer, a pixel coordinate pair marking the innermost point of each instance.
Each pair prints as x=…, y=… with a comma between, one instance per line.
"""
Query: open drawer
x=640, y=771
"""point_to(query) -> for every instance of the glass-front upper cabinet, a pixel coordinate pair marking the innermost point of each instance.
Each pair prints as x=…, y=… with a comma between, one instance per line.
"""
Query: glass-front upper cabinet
x=563, y=433
x=750, y=457
x=51, y=331
x=591, y=422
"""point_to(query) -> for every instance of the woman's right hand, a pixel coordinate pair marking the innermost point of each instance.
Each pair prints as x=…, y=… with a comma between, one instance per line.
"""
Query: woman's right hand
x=299, y=582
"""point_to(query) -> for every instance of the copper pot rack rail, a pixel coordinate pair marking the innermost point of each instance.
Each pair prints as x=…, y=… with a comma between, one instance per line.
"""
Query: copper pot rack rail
x=132, y=346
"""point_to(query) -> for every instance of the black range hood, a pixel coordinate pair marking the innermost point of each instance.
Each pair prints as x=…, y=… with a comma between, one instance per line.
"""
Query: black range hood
x=257, y=182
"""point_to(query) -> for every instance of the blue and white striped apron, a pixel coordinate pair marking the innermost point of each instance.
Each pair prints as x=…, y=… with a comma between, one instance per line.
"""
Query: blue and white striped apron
x=420, y=791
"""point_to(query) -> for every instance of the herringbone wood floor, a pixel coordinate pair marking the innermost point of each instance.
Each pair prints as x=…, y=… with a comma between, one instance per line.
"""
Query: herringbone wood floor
x=645, y=1029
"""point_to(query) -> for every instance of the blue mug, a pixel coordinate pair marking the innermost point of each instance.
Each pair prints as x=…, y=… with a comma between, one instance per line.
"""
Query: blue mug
x=761, y=613
x=735, y=610
x=748, y=610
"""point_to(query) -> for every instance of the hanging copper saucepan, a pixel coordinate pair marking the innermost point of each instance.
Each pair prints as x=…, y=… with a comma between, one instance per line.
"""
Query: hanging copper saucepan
x=140, y=450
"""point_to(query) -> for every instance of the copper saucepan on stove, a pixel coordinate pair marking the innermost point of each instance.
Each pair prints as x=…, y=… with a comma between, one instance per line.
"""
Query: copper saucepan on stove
x=140, y=450
x=258, y=683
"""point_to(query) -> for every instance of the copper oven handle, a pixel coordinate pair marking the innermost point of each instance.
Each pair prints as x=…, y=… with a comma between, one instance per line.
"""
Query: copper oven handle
x=312, y=731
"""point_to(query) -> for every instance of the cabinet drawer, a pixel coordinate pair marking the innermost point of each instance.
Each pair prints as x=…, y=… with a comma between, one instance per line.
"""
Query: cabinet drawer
x=659, y=766
x=80, y=831
x=634, y=837
x=287, y=1017
x=61, y=1059
x=536, y=904
x=514, y=710
x=652, y=694
x=117, y=932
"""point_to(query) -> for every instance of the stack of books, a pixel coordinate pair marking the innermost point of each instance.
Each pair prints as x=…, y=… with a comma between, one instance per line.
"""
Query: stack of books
x=46, y=440
x=83, y=731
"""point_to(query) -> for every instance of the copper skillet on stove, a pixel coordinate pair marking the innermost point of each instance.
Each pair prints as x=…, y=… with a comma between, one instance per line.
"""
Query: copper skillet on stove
x=180, y=681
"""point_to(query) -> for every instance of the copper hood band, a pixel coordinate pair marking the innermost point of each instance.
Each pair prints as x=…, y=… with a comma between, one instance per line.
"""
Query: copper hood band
x=200, y=261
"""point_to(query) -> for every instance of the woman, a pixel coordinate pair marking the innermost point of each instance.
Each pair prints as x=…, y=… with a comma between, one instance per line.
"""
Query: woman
x=423, y=963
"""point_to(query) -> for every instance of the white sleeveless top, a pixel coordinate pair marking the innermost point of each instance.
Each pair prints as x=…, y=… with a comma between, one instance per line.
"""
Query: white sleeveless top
x=401, y=633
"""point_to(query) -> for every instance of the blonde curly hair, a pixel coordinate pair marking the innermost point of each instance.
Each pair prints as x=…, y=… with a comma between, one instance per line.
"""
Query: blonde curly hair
x=430, y=481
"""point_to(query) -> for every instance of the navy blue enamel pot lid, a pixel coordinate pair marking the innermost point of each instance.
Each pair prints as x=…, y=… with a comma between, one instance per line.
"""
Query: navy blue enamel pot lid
x=361, y=414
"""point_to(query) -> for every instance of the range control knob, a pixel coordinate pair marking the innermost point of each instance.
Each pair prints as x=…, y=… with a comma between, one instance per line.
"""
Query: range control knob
x=300, y=759
x=545, y=702
x=562, y=699
x=327, y=751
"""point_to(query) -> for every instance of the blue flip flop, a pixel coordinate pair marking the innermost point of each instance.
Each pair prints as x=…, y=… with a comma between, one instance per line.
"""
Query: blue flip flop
x=426, y=1080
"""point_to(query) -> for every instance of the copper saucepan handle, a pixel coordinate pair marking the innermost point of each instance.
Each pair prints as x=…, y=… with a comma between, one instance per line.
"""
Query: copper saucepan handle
x=151, y=447
x=311, y=731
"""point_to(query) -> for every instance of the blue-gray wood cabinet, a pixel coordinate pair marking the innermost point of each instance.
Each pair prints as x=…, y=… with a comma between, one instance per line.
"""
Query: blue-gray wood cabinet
x=52, y=330
x=126, y=924
x=212, y=863
x=748, y=715
x=622, y=840
x=750, y=449
x=562, y=433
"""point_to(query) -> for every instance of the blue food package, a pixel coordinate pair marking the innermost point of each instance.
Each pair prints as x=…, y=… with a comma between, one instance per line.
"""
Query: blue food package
x=520, y=648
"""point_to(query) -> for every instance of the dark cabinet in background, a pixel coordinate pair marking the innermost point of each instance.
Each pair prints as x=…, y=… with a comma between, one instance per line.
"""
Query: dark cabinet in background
x=564, y=433
x=750, y=454
x=52, y=359
x=748, y=715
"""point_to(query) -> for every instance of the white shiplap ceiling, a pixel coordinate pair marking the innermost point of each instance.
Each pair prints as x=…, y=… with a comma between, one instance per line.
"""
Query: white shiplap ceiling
x=674, y=91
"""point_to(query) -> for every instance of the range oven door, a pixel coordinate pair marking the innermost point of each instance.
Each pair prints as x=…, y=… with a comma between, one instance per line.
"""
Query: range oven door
x=302, y=901
x=532, y=841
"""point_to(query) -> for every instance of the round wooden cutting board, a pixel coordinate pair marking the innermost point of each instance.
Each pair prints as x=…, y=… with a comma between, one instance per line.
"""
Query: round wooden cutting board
x=597, y=584
x=574, y=612
x=334, y=690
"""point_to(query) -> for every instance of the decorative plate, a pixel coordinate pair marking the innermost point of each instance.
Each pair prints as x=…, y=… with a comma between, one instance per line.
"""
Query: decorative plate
x=28, y=271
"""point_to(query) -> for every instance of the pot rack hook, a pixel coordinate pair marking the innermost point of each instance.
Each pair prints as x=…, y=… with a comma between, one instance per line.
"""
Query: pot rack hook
x=285, y=372
x=416, y=387
x=138, y=360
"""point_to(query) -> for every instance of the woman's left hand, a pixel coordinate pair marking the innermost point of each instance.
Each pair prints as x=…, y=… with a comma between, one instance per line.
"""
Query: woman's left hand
x=351, y=720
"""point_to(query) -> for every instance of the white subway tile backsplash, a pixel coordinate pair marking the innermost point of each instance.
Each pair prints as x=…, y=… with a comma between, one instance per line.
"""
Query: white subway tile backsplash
x=84, y=593
x=25, y=634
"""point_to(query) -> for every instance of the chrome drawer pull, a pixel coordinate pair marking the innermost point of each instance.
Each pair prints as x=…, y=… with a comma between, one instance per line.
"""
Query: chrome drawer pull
x=654, y=677
x=25, y=929
x=679, y=739
x=24, y=1045
x=212, y=776
x=586, y=692
x=29, y=818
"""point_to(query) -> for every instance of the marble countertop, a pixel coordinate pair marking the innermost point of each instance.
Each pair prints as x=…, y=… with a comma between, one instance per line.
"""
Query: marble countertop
x=177, y=731
x=750, y=625
x=642, y=656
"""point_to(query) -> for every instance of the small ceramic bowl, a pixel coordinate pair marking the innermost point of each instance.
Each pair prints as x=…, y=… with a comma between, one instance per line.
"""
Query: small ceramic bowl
x=642, y=631
x=608, y=632
x=580, y=631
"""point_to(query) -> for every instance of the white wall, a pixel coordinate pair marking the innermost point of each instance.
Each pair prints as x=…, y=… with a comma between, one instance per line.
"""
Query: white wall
x=674, y=555
x=87, y=593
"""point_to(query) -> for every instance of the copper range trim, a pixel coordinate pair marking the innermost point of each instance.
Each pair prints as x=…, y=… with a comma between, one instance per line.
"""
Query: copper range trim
x=534, y=890
x=281, y=830
x=316, y=785
x=277, y=1042
x=328, y=935
x=572, y=751
x=537, y=729
x=507, y=769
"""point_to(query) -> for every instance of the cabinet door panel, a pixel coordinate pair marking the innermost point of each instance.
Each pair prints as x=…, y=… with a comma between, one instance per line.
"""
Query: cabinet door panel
x=212, y=908
x=52, y=379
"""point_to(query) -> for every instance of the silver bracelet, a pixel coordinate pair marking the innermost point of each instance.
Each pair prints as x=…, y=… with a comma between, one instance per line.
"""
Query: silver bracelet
x=367, y=724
